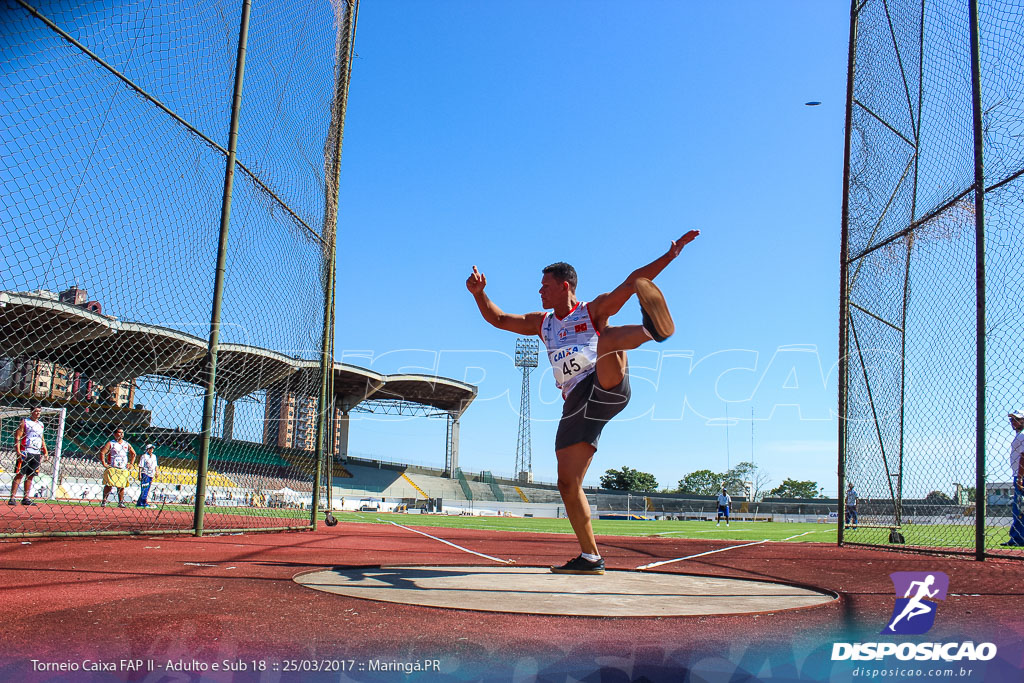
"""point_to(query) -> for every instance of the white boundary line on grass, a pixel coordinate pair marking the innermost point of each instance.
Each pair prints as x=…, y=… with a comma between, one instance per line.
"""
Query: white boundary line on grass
x=709, y=552
x=731, y=547
x=473, y=552
x=813, y=531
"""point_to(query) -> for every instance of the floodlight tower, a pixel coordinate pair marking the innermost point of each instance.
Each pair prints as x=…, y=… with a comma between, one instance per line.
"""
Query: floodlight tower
x=526, y=358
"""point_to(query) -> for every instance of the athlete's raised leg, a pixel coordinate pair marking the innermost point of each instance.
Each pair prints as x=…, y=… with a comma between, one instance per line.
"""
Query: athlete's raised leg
x=616, y=340
x=657, y=319
x=611, y=352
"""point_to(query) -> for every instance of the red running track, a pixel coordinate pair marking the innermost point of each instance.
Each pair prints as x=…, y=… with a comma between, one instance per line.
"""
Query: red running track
x=232, y=597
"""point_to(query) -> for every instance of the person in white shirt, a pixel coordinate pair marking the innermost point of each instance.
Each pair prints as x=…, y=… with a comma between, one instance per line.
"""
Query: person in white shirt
x=588, y=357
x=1017, y=472
x=148, y=471
x=30, y=447
x=724, y=500
x=117, y=456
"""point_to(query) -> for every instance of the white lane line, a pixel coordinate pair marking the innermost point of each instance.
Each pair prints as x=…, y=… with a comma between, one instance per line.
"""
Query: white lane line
x=731, y=547
x=709, y=552
x=815, y=531
x=473, y=552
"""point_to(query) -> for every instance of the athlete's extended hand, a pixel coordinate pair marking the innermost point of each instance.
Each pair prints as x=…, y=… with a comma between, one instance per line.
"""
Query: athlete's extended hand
x=476, y=282
x=677, y=245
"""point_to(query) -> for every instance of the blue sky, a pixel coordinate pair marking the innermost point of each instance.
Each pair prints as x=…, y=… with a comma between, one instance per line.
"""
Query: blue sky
x=513, y=135
x=507, y=136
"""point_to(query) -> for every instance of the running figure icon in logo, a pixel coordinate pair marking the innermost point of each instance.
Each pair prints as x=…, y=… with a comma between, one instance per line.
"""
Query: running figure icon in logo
x=914, y=613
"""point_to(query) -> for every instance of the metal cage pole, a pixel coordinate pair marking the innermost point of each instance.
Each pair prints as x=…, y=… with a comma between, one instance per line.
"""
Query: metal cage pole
x=325, y=403
x=906, y=269
x=844, y=285
x=979, y=274
x=343, y=61
x=209, y=405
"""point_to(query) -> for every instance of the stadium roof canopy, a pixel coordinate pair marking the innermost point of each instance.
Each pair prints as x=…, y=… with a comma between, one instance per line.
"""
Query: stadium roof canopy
x=110, y=351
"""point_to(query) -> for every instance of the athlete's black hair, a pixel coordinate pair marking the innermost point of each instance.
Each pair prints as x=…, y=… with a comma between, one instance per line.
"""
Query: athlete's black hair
x=564, y=272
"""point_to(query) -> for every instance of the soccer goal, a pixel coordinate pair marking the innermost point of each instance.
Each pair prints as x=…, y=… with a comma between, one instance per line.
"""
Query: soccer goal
x=47, y=481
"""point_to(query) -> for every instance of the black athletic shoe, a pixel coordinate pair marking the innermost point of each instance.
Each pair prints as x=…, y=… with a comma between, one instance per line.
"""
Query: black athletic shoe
x=11, y=501
x=1011, y=544
x=657, y=320
x=26, y=501
x=122, y=505
x=578, y=565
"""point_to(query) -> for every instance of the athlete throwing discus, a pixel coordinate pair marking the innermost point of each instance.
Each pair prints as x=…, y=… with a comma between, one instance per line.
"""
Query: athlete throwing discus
x=589, y=360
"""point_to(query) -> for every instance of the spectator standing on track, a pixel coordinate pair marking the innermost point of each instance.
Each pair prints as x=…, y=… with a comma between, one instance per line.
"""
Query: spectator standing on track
x=851, y=506
x=1017, y=471
x=30, y=447
x=148, y=471
x=117, y=456
x=588, y=357
x=724, y=501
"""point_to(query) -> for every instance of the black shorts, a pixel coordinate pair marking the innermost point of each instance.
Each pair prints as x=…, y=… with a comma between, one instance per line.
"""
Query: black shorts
x=587, y=409
x=28, y=464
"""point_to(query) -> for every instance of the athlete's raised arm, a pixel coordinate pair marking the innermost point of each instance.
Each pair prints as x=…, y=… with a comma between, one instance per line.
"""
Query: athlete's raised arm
x=606, y=305
x=520, y=324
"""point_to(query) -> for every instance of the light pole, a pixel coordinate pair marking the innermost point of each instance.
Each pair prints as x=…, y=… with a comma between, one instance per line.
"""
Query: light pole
x=526, y=358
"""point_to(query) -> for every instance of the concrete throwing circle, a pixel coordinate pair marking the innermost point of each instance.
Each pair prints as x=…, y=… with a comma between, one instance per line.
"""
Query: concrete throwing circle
x=535, y=590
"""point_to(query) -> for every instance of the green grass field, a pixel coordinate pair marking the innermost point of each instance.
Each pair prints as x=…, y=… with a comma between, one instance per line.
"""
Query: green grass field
x=738, y=531
x=946, y=536
x=933, y=536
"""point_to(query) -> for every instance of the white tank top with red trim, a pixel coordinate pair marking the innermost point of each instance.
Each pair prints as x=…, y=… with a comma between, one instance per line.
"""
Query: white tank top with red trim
x=119, y=454
x=32, y=440
x=571, y=345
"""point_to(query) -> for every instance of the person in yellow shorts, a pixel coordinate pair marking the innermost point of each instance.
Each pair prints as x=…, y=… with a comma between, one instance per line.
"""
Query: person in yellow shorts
x=117, y=456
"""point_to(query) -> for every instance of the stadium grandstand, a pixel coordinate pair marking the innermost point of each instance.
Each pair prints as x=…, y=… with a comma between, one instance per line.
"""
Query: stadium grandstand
x=63, y=354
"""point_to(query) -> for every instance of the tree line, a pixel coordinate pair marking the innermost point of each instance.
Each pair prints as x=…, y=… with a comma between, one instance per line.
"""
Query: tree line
x=736, y=482
x=742, y=481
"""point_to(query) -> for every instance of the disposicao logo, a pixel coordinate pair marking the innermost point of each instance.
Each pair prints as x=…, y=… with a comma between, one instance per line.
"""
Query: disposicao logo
x=914, y=614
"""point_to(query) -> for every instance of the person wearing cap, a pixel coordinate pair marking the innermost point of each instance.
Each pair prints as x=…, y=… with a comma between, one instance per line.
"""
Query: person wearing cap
x=1017, y=468
x=851, y=506
x=148, y=470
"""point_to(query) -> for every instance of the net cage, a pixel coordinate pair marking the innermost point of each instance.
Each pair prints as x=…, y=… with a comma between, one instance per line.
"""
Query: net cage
x=933, y=220
x=170, y=175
